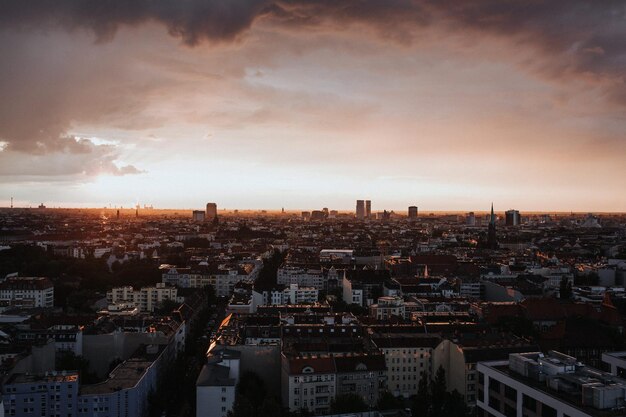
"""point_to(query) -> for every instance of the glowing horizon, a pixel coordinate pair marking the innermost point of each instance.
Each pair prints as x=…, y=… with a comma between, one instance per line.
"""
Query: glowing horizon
x=312, y=104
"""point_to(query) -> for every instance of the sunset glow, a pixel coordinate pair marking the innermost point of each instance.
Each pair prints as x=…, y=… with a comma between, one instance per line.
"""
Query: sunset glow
x=309, y=104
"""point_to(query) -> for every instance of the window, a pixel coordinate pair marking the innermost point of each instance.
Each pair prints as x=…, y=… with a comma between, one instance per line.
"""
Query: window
x=510, y=393
x=494, y=385
x=494, y=403
x=547, y=411
x=509, y=411
x=481, y=378
x=529, y=403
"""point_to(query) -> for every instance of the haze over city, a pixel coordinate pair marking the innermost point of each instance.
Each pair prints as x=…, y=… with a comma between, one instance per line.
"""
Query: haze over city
x=300, y=104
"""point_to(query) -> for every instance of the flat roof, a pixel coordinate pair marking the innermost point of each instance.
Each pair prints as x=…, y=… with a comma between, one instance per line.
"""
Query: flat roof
x=70, y=376
x=125, y=376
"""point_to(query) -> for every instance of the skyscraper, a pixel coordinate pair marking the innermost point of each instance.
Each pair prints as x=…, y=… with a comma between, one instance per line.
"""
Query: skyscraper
x=211, y=211
x=368, y=209
x=412, y=212
x=360, y=209
x=198, y=215
x=492, y=242
x=470, y=219
x=513, y=218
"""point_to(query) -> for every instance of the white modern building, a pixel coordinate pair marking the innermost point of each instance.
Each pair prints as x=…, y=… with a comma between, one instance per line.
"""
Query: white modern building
x=147, y=299
x=216, y=384
x=387, y=307
x=302, y=276
x=27, y=292
x=553, y=385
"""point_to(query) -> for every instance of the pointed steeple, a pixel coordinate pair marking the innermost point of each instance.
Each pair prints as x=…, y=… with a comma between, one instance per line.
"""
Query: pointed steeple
x=492, y=219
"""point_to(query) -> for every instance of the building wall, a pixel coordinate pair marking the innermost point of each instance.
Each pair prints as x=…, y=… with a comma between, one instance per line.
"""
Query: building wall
x=496, y=403
x=460, y=375
x=42, y=397
x=214, y=401
x=404, y=368
x=100, y=350
x=146, y=299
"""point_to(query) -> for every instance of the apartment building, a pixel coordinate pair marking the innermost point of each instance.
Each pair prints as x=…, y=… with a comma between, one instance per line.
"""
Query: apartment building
x=407, y=356
x=308, y=382
x=304, y=276
x=27, y=292
x=215, y=386
x=554, y=385
x=460, y=355
x=222, y=278
x=56, y=394
x=147, y=299
x=388, y=306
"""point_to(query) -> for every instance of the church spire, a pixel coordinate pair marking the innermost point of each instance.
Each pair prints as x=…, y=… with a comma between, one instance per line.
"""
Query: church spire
x=492, y=219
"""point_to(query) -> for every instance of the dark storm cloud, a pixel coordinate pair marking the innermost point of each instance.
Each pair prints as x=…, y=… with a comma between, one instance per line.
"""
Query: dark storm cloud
x=191, y=20
x=588, y=33
x=41, y=98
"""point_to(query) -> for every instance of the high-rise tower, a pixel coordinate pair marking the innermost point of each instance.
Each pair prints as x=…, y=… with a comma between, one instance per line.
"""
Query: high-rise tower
x=368, y=209
x=211, y=212
x=360, y=209
x=492, y=242
x=513, y=218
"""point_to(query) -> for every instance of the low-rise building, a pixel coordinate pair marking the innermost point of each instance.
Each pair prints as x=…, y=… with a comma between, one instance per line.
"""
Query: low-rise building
x=407, y=356
x=215, y=387
x=387, y=307
x=27, y=292
x=552, y=385
x=460, y=355
x=147, y=299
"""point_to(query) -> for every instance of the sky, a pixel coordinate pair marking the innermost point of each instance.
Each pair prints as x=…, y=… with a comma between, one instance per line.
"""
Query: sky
x=303, y=104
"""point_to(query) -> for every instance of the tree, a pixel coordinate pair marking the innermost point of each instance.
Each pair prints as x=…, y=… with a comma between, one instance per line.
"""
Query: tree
x=347, y=403
x=242, y=408
x=433, y=399
x=252, y=387
x=455, y=405
x=565, y=292
x=421, y=402
x=438, y=391
x=386, y=401
x=252, y=400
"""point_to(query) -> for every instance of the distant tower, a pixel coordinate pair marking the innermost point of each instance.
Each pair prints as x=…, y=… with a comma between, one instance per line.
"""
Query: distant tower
x=412, y=212
x=198, y=215
x=470, y=220
x=492, y=242
x=211, y=212
x=360, y=209
x=118, y=214
x=11, y=202
x=513, y=218
x=368, y=209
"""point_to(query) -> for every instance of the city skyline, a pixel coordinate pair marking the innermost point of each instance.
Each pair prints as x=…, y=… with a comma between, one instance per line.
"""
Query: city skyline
x=270, y=104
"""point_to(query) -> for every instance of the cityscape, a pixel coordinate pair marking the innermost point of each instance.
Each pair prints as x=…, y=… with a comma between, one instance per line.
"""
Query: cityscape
x=147, y=312
x=312, y=208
